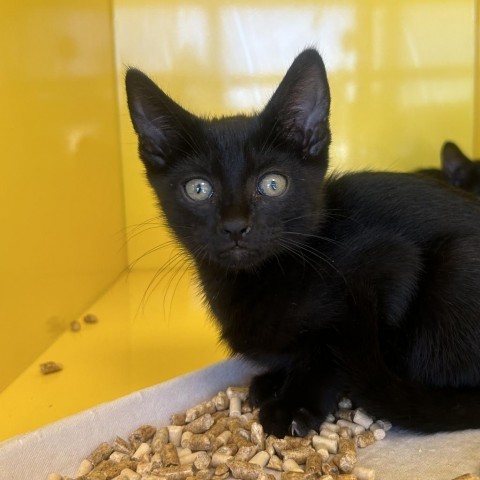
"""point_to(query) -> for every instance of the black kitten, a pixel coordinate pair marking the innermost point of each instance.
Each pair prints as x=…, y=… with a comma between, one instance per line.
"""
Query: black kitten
x=460, y=171
x=457, y=169
x=366, y=282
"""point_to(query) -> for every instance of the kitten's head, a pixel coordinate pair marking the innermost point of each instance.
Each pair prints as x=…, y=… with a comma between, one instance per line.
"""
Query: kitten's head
x=238, y=190
x=459, y=170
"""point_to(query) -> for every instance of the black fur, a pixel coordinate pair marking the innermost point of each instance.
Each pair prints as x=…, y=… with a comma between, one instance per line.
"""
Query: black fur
x=364, y=282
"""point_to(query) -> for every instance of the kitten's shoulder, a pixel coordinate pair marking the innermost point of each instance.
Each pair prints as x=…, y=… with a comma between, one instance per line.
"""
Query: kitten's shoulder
x=388, y=191
x=367, y=183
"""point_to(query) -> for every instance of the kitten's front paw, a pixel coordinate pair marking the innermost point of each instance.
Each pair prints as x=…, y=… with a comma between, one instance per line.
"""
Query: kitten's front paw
x=265, y=387
x=304, y=421
x=279, y=419
x=276, y=418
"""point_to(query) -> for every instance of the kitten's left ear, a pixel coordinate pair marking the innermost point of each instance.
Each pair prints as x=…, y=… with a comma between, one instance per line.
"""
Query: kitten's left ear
x=161, y=124
x=300, y=106
x=455, y=164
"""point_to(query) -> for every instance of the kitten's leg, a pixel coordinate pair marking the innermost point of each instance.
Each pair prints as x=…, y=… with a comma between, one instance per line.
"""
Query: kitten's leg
x=446, y=328
x=266, y=386
x=308, y=392
x=378, y=269
x=300, y=408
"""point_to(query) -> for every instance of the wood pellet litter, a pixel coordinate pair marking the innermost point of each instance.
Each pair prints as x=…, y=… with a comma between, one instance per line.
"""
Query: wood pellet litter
x=90, y=318
x=75, y=326
x=221, y=438
x=50, y=367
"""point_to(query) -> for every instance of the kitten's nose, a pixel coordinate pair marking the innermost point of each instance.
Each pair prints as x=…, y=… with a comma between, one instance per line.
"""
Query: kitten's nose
x=237, y=228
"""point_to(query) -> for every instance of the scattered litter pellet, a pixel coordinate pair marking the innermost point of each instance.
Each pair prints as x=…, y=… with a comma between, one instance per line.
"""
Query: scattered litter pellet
x=85, y=467
x=50, y=367
x=244, y=470
x=141, y=435
x=200, y=424
x=257, y=435
x=346, y=457
x=221, y=401
x=130, y=474
x=313, y=463
x=178, y=419
x=275, y=463
x=261, y=458
x=54, y=476
x=176, y=472
x=385, y=424
x=361, y=418
x=90, y=318
x=378, y=431
x=175, y=434
x=467, y=476
x=169, y=455
x=241, y=392
x=290, y=465
x=345, y=403
x=222, y=438
x=300, y=454
x=354, y=427
x=365, y=439
x=363, y=473
x=246, y=452
x=122, y=446
x=324, y=443
x=75, y=326
x=102, y=452
x=199, y=410
x=329, y=434
x=142, y=452
x=235, y=407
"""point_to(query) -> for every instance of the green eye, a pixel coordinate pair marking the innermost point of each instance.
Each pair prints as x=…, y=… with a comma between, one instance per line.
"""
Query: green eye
x=198, y=189
x=272, y=185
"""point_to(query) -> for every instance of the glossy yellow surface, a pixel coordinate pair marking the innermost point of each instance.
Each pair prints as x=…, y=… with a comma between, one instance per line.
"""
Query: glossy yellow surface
x=61, y=199
x=72, y=191
x=137, y=342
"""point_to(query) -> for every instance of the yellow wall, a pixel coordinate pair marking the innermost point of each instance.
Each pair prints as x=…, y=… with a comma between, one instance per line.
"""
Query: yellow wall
x=61, y=199
x=402, y=75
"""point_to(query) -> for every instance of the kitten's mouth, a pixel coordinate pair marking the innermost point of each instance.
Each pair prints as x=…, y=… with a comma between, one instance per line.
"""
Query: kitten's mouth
x=237, y=257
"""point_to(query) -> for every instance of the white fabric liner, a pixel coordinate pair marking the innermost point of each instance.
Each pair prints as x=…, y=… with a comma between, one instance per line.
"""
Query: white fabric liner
x=61, y=446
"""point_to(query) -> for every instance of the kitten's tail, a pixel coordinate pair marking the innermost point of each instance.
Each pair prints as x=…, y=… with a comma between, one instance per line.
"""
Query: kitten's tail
x=407, y=404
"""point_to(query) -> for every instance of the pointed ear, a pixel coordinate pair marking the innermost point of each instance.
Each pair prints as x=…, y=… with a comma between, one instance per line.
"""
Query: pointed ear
x=160, y=123
x=300, y=106
x=455, y=164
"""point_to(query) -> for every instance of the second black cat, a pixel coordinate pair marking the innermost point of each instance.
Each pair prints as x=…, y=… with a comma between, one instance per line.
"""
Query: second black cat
x=366, y=283
x=456, y=169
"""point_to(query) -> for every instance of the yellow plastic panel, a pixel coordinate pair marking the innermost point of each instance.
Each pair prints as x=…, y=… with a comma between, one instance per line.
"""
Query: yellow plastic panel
x=61, y=200
x=401, y=73
x=136, y=343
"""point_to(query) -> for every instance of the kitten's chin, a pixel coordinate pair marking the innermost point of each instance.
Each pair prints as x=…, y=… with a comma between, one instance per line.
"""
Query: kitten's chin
x=239, y=258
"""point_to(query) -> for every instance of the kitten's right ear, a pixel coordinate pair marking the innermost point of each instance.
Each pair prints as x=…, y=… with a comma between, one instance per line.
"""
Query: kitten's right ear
x=300, y=107
x=455, y=164
x=160, y=123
